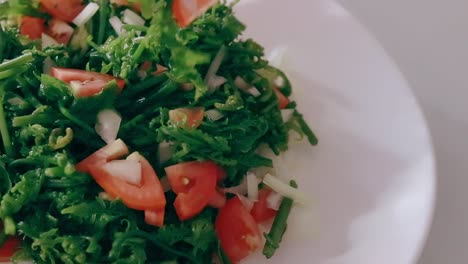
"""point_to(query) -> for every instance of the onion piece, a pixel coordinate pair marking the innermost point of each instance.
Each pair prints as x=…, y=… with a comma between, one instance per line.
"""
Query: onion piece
x=252, y=186
x=132, y=18
x=215, y=82
x=284, y=189
x=286, y=114
x=240, y=83
x=214, y=67
x=108, y=124
x=47, y=41
x=117, y=25
x=48, y=65
x=127, y=170
x=105, y=196
x=164, y=151
x=254, y=92
x=246, y=202
x=88, y=12
x=240, y=189
x=274, y=200
x=214, y=114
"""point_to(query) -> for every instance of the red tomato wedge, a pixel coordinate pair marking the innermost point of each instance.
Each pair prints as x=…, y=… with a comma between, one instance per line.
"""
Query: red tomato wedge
x=187, y=117
x=260, y=211
x=218, y=200
x=195, y=185
x=64, y=10
x=85, y=83
x=59, y=30
x=282, y=99
x=149, y=195
x=109, y=152
x=135, y=6
x=8, y=249
x=155, y=217
x=32, y=27
x=237, y=230
x=185, y=11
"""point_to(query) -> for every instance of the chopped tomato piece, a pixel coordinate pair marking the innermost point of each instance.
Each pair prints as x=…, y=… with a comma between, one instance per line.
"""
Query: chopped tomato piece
x=32, y=27
x=155, y=217
x=260, y=211
x=109, y=152
x=64, y=10
x=8, y=248
x=149, y=195
x=135, y=6
x=60, y=31
x=237, y=230
x=282, y=99
x=187, y=117
x=85, y=83
x=218, y=200
x=186, y=11
x=195, y=185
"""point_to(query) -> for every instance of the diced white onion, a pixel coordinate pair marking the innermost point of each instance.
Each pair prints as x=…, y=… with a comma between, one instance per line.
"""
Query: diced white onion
x=241, y=83
x=105, y=196
x=284, y=189
x=117, y=25
x=215, y=82
x=166, y=185
x=246, y=202
x=214, y=114
x=76, y=86
x=254, y=92
x=132, y=18
x=84, y=16
x=215, y=64
x=252, y=186
x=274, y=200
x=240, y=189
x=127, y=170
x=108, y=124
x=286, y=114
x=47, y=41
x=164, y=151
x=47, y=66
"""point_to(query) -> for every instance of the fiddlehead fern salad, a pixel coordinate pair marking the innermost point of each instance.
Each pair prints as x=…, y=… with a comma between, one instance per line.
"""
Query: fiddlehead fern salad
x=136, y=131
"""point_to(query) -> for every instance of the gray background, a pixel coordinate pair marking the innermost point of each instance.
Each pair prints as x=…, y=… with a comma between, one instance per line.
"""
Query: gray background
x=428, y=39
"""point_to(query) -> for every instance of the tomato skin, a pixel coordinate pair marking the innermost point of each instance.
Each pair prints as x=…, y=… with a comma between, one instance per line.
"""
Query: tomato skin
x=237, y=231
x=109, y=152
x=218, y=200
x=32, y=27
x=186, y=11
x=63, y=10
x=91, y=82
x=282, y=99
x=59, y=30
x=149, y=195
x=187, y=117
x=195, y=185
x=155, y=217
x=9, y=247
x=260, y=211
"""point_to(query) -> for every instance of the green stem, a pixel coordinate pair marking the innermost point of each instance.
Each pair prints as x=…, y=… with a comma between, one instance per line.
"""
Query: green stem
x=75, y=120
x=102, y=20
x=163, y=246
x=306, y=129
x=3, y=125
x=10, y=72
x=19, y=61
x=273, y=239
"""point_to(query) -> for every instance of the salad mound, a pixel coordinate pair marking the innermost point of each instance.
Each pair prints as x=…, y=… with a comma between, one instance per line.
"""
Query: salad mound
x=140, y=131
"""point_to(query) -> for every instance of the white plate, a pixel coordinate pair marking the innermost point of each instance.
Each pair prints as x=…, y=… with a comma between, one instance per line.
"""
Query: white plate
x=372, y=177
